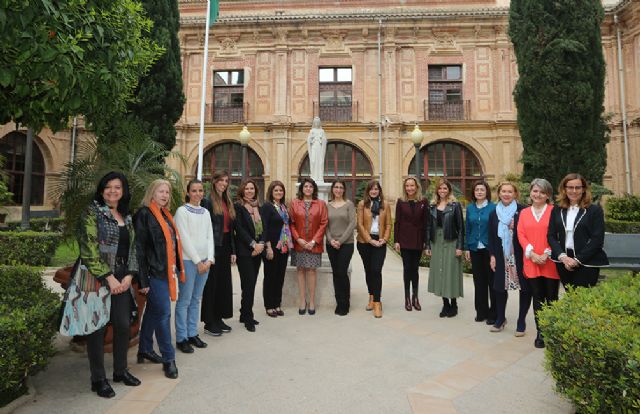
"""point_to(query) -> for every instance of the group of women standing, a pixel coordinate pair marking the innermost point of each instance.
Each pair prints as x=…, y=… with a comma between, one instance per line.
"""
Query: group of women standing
x=510, y=246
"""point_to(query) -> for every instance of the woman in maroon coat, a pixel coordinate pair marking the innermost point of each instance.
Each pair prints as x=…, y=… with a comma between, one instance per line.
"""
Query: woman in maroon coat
x=410, y=229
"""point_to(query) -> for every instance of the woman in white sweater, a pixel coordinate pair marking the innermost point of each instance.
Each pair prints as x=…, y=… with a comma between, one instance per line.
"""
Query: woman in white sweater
x=194, y=225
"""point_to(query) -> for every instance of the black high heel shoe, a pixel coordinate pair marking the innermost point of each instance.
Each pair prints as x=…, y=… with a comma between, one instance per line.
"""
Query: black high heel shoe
x=150, y=356
x=303, y=311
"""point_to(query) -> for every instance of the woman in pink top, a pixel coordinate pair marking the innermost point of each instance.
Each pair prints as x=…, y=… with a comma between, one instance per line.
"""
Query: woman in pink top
x=532, y=235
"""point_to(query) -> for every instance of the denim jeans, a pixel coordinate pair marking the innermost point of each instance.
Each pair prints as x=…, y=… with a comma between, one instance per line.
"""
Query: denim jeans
x=157, y=319
x=188, y=304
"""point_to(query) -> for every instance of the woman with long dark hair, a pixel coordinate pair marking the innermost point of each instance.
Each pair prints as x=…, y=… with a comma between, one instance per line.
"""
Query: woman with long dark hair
x=159, y=252
x=278, y=242
x=107, y=250
x=249, y=240
x=342, y=223
x=374, y=229
x=308, y=224
x=194, y=225
x=217, y=300
x=410, y=231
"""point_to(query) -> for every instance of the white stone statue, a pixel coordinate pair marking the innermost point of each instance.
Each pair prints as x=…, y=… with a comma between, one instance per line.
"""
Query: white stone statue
x=317, y=147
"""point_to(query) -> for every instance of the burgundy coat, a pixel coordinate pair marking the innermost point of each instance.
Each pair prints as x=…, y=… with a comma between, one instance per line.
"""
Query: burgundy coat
x=410, y=227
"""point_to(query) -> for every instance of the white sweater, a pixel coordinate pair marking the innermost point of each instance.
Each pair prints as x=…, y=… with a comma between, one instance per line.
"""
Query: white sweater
x=196, y=233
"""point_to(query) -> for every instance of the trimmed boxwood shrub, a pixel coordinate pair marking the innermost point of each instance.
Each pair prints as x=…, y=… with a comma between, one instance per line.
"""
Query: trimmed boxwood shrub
x=626, y=208
x=53, y=224
x=592, y=350
x=28, y=311
x=28, y=247
x=621, y=226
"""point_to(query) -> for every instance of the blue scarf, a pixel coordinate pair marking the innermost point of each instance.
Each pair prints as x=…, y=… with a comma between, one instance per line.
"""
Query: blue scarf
x=505, y=216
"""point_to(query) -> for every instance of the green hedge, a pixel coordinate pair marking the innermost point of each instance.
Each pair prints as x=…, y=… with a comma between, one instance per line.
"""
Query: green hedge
x=53, y=224
x=28, y=311
x=626, y=207
x=622, y=226
x=28, y=247
x=592, y=341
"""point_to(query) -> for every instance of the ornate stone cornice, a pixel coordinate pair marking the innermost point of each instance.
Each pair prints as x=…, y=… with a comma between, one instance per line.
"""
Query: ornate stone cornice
x=361, y=14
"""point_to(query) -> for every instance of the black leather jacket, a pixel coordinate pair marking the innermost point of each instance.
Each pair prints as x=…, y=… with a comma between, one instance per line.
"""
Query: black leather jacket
x=452, y=224
x=217, y=223
x=151, y=248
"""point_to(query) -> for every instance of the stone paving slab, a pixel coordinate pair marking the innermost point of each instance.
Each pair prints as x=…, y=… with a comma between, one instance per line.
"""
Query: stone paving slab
x=405, y=362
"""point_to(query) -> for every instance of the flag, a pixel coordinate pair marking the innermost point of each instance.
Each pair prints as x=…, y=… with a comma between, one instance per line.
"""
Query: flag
x=214, y=9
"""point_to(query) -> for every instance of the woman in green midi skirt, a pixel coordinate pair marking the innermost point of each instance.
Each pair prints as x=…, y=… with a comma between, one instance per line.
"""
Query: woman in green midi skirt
x=445, y=246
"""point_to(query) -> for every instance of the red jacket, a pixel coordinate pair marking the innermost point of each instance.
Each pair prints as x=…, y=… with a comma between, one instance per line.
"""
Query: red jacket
x=410, y=225
x=318, y=220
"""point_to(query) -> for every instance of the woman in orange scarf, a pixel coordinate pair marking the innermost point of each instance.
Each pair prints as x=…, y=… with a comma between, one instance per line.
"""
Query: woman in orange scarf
x=159, y=255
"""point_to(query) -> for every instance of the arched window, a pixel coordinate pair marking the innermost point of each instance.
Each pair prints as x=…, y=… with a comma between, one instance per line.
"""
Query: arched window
x=228, y=156
x=12, y=148
x=453, y=161
x=345, y=161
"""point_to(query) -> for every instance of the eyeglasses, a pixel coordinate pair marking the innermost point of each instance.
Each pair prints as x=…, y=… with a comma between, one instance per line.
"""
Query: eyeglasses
x=573, y=188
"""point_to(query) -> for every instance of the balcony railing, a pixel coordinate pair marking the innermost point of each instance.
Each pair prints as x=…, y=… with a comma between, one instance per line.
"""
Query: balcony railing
x=337, y=112
x=231, y=113
x=446, y=110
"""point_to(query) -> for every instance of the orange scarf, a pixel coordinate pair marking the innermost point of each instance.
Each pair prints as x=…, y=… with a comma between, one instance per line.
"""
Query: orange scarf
x=171, y=253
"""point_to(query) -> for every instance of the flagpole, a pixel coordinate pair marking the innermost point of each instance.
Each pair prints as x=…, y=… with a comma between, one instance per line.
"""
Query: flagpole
x=205, y=75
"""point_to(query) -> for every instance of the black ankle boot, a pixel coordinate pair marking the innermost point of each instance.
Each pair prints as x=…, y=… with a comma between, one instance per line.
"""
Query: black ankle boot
x=539, y=341
x=445, y=310
x=453, y=309
x=170, y=369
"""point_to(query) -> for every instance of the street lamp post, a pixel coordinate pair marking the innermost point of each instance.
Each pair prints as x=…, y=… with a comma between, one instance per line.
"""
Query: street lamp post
x=244, y=137
x=416, y=137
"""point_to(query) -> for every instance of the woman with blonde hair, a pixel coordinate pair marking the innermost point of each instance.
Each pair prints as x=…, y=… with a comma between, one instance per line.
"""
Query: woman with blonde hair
x=506, y=257
x=217, y=300
x=410, y=231
x=374, y=229
x=445, y=244
x=159, y=253
x=576, y=234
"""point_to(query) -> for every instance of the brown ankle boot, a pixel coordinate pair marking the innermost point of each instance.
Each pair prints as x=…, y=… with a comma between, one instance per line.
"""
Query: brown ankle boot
x=370, y=304
x=407, y=304
x=377, y=309
x=416, y=303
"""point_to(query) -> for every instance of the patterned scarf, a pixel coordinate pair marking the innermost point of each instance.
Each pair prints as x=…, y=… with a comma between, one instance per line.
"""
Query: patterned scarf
x=505, y=217
x=255, y=215
x=285, y=243
x=171, y=252
x=375, y=206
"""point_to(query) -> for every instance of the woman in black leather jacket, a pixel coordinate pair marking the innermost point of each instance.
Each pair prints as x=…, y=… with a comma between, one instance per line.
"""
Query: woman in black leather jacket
x=159, y=253
x=445, y=246
x=249, y=247
x=217, y=300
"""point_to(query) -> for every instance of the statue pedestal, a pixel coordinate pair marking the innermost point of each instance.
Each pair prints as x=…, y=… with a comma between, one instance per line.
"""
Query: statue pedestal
x=323, y=191
x=325, y=293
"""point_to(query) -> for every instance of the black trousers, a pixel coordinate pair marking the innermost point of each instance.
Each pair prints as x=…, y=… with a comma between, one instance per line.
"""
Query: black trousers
x=484, y=295
x=373, y=260
x=544, y=290
x=501, y=306
x=248, y=267
x=274, y=271
x=217, y=297
x=410, y=269
x=340, y=259
x=120, y=317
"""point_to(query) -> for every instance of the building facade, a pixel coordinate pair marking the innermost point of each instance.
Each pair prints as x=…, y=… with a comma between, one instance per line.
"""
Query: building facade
x=371, y=70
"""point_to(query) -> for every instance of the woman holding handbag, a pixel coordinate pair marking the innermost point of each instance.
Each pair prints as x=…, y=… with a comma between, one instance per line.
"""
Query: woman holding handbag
x=159, y=251
x=108, y=252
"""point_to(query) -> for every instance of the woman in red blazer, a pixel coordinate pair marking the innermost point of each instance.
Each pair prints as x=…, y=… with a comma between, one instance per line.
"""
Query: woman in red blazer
x=309, y=220
x=409, y=229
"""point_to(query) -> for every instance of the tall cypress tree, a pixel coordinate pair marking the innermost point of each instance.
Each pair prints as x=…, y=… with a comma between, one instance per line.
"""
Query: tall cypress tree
x=159, y=99
x=560, y=92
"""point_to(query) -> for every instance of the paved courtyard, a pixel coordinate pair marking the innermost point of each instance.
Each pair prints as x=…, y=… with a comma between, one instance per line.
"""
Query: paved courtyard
x=406, y=362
